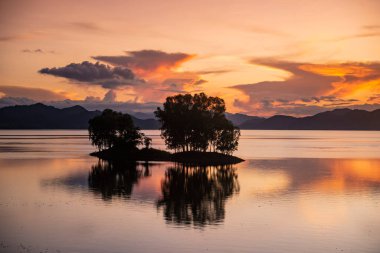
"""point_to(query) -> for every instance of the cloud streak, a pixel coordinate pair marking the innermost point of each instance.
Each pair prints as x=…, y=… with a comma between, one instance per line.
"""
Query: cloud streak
x=31, y=93
x=266, y=31
x=37, y=51
x=89, y=26
x=367, y=31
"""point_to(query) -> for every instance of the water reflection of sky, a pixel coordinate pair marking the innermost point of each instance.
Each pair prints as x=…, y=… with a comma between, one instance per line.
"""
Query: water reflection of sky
x=187, y=195
x=73, y=203
x=197, y=196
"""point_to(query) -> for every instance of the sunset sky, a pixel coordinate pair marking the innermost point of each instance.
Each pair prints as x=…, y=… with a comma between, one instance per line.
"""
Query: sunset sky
x=263, y=57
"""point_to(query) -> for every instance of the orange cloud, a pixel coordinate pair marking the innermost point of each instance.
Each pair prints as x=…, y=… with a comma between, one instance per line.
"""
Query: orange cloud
x=38, y=94
x=148, y=63
x=311, y=88
x=144, y=76
x=161, y=71
x=358, y=80
x=342, y=70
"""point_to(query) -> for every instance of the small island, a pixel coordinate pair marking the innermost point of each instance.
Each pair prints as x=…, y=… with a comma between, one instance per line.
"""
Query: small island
x=193, y=126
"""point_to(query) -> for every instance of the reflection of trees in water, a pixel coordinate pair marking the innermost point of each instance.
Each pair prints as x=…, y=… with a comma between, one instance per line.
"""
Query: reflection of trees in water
x=191, y=195
x=116, y=179
x=197, y=195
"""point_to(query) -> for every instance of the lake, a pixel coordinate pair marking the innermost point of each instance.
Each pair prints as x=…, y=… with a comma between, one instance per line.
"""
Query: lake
x=297, y=191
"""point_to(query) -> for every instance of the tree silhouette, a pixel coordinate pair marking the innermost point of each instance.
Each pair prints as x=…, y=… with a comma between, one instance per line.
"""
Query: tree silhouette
x=227, y=139
x=147, y=142
x=115, y=179
x=196, y=195
x=113, y=129
x=197, y=123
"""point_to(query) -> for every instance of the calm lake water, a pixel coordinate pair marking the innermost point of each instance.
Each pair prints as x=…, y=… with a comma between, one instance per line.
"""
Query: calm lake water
x=297, y=191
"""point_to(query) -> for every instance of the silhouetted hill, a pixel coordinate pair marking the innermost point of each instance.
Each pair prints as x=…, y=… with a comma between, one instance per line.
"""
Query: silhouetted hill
x=238, y=118
x=252, y=121
x=146, y=123
x=339, y=119
x=40, y=116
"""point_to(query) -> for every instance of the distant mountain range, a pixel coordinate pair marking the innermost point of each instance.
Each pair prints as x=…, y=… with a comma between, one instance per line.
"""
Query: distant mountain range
x=338, y=119
x=40, y=116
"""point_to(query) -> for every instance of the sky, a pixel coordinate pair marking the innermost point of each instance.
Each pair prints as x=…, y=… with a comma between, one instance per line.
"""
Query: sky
x=262, y=57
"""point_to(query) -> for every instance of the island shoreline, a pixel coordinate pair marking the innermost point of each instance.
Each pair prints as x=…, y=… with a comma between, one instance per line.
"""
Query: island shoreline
x=156, y=155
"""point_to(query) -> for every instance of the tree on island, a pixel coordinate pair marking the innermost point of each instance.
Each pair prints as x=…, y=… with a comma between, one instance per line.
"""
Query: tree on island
x=114, y=129
x=197, y=123
x=147, y=142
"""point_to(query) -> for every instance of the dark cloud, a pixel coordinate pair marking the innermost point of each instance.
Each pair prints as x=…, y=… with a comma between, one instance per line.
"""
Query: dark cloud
x=371, y=27
x=90, y=26
x=211, y=72
x=9, y=101
x=31, y=93
x=110, y=96
x=148, y=60
x=200, y=81
x=95, y=73
x=151, y=74
x=92, y=99
x=328, y=99
x=365, y=32
x=358, y=35
x=336, y=99
x=9, y=38
x=375, y=97
x=174, y=82
x=182, y=85
x=37, y=51
x=20, y=36
x=266, y=31
x=183, y=81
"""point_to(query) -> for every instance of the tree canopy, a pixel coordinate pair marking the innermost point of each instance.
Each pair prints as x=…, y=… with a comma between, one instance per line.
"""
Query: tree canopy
x=197, y=123
x=114, y=129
